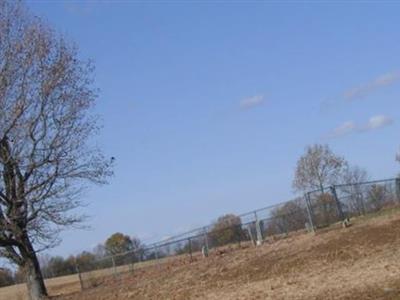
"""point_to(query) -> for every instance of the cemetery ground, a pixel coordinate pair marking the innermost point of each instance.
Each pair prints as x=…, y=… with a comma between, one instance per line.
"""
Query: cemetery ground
x=359, y=262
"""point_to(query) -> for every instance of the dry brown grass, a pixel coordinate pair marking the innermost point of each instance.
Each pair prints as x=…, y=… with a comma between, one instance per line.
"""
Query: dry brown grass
x=70, y=284
x=56, y=286
x=360, y=262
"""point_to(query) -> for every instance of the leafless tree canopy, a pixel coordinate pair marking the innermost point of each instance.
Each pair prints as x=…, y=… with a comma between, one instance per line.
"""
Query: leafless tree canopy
x=46, y=153
x=227, y=229
x=318, y=167
x=352, y=178
x=354, y=175
x=291, y=216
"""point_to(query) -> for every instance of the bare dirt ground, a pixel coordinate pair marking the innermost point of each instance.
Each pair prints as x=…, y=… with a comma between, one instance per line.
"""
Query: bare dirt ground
x=360, y=262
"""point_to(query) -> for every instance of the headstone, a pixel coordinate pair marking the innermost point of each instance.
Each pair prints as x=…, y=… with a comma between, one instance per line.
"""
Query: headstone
x=346, y=223
x=204, y=251
x=260, y=239
x=251, y=235
x=308, y=227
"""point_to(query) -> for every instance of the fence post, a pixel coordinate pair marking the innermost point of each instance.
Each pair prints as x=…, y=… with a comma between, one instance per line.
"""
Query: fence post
x=156, y=254
x=206, y=240
x=239, y=234
x=285, y=224
x=398, y=188
x=114, y=266
x=190, y=249
x=309, y=211
x=79, y=276
x=259, y=236
x=338, y=204
x=360, y=200
x=133, y=258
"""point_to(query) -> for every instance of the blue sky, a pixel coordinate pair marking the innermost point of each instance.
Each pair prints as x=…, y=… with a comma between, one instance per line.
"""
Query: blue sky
x=208, y=106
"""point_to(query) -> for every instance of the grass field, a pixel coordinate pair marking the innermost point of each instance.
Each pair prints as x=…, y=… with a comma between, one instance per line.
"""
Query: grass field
x=360, y=262
x=71, y=284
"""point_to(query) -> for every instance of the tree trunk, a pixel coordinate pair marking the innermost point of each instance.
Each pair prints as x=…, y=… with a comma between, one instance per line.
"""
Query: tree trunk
x=321, y=187
x=34, y=279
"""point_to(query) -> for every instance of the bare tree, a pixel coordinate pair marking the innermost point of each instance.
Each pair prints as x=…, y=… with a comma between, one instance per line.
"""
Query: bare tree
x=227, y=229
x=354, y=175
x=46, y=152
x=352, y=178
x=138, y=248
x=118, y=243
x=377, y=197
x=100, y=251
x=318, y=167
x=291, y=216
x=6, y=277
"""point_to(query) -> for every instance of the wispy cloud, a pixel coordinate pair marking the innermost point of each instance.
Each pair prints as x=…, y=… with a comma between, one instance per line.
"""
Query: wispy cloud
x=377, y=122
x=369, y=87
x=344, y=129
x=251, y=102
x=332, y=103
x=350, y=127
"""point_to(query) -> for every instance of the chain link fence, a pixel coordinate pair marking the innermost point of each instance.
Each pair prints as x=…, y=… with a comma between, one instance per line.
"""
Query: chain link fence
x=316, y=210
x=340, y=202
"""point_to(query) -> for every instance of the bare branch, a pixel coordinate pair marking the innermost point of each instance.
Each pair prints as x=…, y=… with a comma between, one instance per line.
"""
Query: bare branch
x=317, y=168
x=47, y=155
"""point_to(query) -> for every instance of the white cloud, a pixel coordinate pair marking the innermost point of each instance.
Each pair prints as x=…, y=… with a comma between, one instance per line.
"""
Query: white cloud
x=387, y=79
x=369, y=87
x=344, y=129
x=349, y=127
x=251, y=102
x=378, y=121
